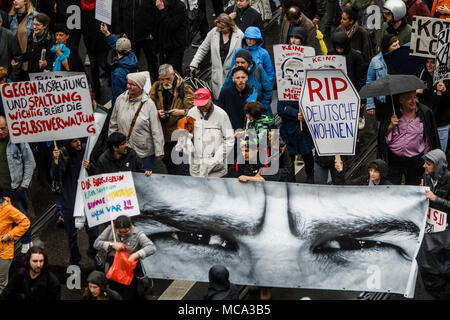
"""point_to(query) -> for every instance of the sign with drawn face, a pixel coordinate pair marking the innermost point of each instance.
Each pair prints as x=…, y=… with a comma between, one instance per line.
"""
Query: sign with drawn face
x=290, y=69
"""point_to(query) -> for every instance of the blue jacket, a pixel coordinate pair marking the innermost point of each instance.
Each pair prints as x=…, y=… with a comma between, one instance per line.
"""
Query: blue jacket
x=21, y=164
x=297, y=141
x=13, y=25
x=377, y=70
x=120, y=70
x=259, y=80
x=259, y=54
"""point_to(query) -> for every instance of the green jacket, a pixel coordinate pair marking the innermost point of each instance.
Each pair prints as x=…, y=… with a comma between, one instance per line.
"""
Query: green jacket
x=403, y=33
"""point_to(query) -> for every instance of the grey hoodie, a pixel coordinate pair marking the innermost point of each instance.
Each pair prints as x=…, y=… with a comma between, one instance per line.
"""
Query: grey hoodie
x=438, y=157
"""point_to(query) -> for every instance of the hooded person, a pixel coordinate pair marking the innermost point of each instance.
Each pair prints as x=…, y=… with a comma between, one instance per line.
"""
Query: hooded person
x=299, y=34
x=220, y=287
x=437, y=177
x=376, y=176
x=257, y=79
x=97, y=288
x=253, y=42
x=124, y=63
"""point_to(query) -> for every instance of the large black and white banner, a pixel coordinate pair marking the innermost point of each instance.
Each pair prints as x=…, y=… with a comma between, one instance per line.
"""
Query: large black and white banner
x=442, y=70
x=283, y=234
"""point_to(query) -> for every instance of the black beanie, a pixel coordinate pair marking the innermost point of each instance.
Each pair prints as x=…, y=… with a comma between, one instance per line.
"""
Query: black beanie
x=244, y=54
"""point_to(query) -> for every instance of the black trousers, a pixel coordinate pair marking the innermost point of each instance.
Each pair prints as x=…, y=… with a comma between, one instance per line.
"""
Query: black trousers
x=150, y=51
x=411, y=168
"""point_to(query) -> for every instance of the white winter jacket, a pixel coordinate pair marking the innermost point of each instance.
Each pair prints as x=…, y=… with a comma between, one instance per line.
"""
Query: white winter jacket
x=147, y=137
x=213, y=141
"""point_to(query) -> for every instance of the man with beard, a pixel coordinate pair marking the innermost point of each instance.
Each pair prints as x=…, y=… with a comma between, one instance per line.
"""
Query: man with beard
x=173, y=99
x=66, y=166
x=33, y=282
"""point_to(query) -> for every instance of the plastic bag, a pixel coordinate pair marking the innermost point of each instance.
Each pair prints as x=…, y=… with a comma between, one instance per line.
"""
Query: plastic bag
x=122, y=270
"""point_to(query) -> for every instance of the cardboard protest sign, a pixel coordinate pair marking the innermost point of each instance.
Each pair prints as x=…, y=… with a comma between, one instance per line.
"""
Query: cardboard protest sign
x=436, y=220
x=52, y=75
x=48, y=110
x=442, y=70
x=425, y=31
x=290, y=71
x=325, y=62
x=330, y=106
x=107, y=196
x=103, y=11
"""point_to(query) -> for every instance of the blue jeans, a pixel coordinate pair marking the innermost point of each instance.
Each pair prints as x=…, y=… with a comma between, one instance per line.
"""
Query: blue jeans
x=19, y=199
x=443, y=137
x=149, y=162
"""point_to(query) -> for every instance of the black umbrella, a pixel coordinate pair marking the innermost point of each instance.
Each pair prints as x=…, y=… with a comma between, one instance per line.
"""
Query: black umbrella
x=390, y=85
x=433, y=260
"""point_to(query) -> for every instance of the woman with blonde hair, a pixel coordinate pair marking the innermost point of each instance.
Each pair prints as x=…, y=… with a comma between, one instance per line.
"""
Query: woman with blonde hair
x=222, y=41
x=21, y=23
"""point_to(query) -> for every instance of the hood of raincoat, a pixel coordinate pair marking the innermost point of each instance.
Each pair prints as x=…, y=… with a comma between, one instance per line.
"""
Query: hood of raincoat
x=98, y=278
x=252, y=33
x=218, y=278
x=437, y=156
x=382, y=167
x=342, y=40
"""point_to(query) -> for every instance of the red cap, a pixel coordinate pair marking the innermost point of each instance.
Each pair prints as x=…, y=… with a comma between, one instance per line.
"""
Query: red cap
x=201, y=97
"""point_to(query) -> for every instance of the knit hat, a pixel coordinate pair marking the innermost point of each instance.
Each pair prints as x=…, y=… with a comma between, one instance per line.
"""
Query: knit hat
x=61, y=28
x=123, y=45
x=244, y=54
x=138, y=77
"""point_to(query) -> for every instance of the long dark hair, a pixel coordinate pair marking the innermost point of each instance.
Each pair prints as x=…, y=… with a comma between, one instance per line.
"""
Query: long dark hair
x=39, y=250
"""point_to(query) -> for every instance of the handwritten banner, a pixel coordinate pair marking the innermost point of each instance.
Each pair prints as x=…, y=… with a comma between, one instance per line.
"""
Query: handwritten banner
x=46, y=110
x=330, y=106
x=290, y=69
x=108, y=196
x=436, y=220
x=424, y=35
x=442, y=70
x=326, y=62
x=52, y=75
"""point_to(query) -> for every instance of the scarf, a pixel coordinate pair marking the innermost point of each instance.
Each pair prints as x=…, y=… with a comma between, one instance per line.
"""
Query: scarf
x=350, y=32
x=59, y=60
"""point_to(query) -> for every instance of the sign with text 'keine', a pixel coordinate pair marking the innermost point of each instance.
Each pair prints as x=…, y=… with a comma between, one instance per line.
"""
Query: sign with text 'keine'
x=107, y=196
x=47, y=110
x=326, y=62
x=330, y=105
x=290, y=69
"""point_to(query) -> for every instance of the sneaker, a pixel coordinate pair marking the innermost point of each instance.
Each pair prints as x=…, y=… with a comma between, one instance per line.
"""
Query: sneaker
x=362, y=123
x=60, y=221
x=26, y=247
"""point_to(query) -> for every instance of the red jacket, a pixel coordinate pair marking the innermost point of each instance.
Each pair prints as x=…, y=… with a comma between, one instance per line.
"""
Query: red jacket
x=417, y=8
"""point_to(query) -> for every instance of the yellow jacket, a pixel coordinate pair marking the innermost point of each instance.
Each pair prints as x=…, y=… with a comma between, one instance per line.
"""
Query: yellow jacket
x=8, y=216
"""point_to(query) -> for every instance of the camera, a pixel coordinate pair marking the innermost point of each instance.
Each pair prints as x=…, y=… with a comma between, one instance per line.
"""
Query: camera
x=167, y=114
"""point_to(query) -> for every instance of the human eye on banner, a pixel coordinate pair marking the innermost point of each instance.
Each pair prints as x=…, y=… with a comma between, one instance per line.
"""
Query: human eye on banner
x=283, y=234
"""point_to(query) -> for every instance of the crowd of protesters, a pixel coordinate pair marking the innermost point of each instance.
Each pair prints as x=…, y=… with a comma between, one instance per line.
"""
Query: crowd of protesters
x=228, y=122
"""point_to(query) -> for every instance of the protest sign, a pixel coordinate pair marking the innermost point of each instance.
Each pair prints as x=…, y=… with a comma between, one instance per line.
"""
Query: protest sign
x=330, y=106
x=46, y=110
x=103, y=11
x=290, y=71
x=442, y=69
x=285, y=234
x=107, y=196
x=436, y=220
x=325, y=62
x=424, y=34
x=52, y=75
